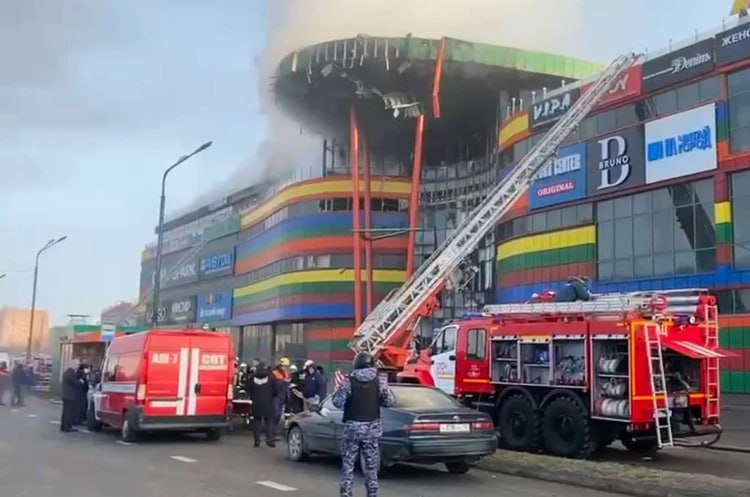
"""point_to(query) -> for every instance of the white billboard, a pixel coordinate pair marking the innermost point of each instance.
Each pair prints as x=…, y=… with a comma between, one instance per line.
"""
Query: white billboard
x=681, y=144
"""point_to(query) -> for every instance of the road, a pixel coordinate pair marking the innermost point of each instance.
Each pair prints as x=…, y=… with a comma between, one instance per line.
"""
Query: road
x=39, y=461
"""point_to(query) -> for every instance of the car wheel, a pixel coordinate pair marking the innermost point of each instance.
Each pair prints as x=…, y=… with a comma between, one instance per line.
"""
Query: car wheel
x=518, y=423
x=214, y=434
x=566, y=429
x=92, y=424
x=457, y=467
x=127, y=433
x=295, y=445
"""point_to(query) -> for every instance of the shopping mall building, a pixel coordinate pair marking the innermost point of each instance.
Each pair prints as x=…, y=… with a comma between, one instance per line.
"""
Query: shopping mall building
x=646, y=194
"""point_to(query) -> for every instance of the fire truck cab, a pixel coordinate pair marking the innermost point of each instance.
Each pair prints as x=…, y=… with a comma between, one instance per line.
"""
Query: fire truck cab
x=569, y=378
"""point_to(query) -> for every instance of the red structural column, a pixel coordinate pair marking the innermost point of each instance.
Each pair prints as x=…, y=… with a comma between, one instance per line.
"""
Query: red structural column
x=368, y=225
x=356, y=215
x=438, y=79
x=416, y=178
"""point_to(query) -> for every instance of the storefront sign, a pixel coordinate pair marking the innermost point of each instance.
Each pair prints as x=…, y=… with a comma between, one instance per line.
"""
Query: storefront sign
x=561, y=179
x=681, y=144
x=215, y=306
x=615, y=162
x=628, y=86
x=732, y=45
x=551, y=109
x=222, y=228
x=217, y=264
x=182, y=311
x=680, y=65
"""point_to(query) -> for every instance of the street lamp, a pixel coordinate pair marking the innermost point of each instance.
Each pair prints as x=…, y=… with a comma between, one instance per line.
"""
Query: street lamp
x=160, y=229
x=51, y=243
x=2, y=275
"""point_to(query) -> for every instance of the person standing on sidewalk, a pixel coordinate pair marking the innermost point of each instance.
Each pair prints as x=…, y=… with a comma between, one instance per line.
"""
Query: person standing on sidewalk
x=71, y=387
x=18, y=378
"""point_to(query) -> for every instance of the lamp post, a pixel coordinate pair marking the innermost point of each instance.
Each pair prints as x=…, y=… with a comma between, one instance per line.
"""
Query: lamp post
x=51, y=243
x=160, y=229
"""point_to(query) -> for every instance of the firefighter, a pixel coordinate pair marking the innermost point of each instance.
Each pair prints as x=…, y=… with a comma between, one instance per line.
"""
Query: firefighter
x=577, y=288
x=295, y=403
x=313, y=386
x=361, y=396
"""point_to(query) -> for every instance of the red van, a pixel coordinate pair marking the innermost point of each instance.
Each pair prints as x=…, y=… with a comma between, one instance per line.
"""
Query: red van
x=178, y=380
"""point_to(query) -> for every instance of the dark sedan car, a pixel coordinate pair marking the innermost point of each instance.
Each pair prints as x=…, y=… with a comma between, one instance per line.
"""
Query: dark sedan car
x=425, y=426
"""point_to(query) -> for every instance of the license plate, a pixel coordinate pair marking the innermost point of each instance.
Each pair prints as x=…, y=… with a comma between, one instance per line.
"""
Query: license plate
x=455, y=428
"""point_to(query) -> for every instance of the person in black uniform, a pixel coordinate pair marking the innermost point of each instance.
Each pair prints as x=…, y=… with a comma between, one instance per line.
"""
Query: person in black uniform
x=70, y=392
x=261, y=390
x=83, y=394
x=576, y=289
x=361, y=395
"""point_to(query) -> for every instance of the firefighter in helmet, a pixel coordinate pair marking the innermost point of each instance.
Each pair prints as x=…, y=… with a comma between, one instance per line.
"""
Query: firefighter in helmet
x=577, y=288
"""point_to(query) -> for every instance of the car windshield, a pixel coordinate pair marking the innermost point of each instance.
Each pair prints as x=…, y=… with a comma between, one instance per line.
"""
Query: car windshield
x=422, y=398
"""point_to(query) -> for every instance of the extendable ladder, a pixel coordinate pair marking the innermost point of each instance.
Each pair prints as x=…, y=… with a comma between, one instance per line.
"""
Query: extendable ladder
x=713, y=392
x=398, y=310
x=677, y=302
x=659, y=398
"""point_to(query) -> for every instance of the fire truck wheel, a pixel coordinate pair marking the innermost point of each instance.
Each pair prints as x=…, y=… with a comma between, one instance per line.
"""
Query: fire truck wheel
x=518, y=423
x=565, y=428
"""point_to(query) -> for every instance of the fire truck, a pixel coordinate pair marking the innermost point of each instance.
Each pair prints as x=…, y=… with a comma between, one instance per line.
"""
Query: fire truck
x=561, y=377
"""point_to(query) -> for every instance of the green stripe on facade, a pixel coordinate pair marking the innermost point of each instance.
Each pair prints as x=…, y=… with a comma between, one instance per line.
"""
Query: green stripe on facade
x=735, y=381
x=737, y=337
x=326, y=287
x=311, y=231
x=723, y=233
x=567, y=255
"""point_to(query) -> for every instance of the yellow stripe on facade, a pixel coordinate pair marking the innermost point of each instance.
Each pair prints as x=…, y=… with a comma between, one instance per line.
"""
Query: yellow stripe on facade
x=319, y=276
x=378, y=187
x=723, y=212
x=513, y=128
x=547, y=241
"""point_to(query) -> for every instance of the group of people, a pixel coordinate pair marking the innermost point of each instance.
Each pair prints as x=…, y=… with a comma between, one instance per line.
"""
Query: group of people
x=14, y=381
x=278, y=390
x=75, y=389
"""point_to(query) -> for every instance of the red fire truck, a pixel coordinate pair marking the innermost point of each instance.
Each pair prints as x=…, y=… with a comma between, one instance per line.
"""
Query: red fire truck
x=568, y=378
x=561, y=377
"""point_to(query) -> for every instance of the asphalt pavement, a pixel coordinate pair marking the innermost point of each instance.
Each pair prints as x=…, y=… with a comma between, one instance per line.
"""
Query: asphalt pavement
x=36, y=460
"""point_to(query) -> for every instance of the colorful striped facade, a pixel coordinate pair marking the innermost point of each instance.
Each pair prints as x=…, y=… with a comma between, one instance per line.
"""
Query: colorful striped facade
x=313, y=287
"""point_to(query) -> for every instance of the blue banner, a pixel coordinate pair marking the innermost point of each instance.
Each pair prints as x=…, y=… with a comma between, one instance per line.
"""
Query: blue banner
x=214, y=306
x=561, y=179
x=217, y=264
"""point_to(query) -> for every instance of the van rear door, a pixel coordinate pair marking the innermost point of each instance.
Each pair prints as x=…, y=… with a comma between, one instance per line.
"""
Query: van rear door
x=210, y=364
x=166, y=375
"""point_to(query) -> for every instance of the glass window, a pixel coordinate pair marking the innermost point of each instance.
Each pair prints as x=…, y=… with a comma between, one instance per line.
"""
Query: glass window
x=623, y=238
x=739, y=139
x=739, y=82
x=710, y=89
x=416, y=397
x=448, y=340
x=477, y=344
x=665, y=103
x=688, y=96
x=605, y=210
x=606, y=122
x=643, y=240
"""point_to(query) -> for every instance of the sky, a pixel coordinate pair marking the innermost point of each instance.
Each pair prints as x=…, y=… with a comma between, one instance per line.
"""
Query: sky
x=98, y=98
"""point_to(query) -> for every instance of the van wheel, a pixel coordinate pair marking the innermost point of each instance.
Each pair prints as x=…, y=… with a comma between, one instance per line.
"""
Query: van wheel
x=214, y=434
x=92, y=424
x=457, y=467
x=518, y=423
x=566, y=429
x=127, y=433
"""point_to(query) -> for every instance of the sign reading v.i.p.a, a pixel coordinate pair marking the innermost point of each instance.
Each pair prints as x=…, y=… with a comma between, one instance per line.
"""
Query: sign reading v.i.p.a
x=680, y=65
x=732, y=45
x=552, y=108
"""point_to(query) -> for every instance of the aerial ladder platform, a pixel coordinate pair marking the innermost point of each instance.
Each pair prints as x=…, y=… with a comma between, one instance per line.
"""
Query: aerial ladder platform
x=400, y=309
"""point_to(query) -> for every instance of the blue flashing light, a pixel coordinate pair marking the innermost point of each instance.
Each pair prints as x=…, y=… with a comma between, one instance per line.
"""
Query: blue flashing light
x=472, y=315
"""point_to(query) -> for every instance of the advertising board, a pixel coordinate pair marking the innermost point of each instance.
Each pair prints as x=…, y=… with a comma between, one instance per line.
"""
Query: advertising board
x=680, y=65
x=732, y=45
x=226, y=227
x=182, y=311
x=681, y=144
x=561, y=179
x=215, y=306
x=615, y=162
x=176, y=271
x=215, y=265
x=628, y=86
x=551, y=109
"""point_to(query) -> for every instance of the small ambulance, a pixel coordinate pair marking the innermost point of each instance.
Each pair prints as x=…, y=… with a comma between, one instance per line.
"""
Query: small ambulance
x=165, y=380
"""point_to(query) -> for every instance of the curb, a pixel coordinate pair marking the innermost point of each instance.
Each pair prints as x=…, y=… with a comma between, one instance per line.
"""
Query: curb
x=613, y=477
